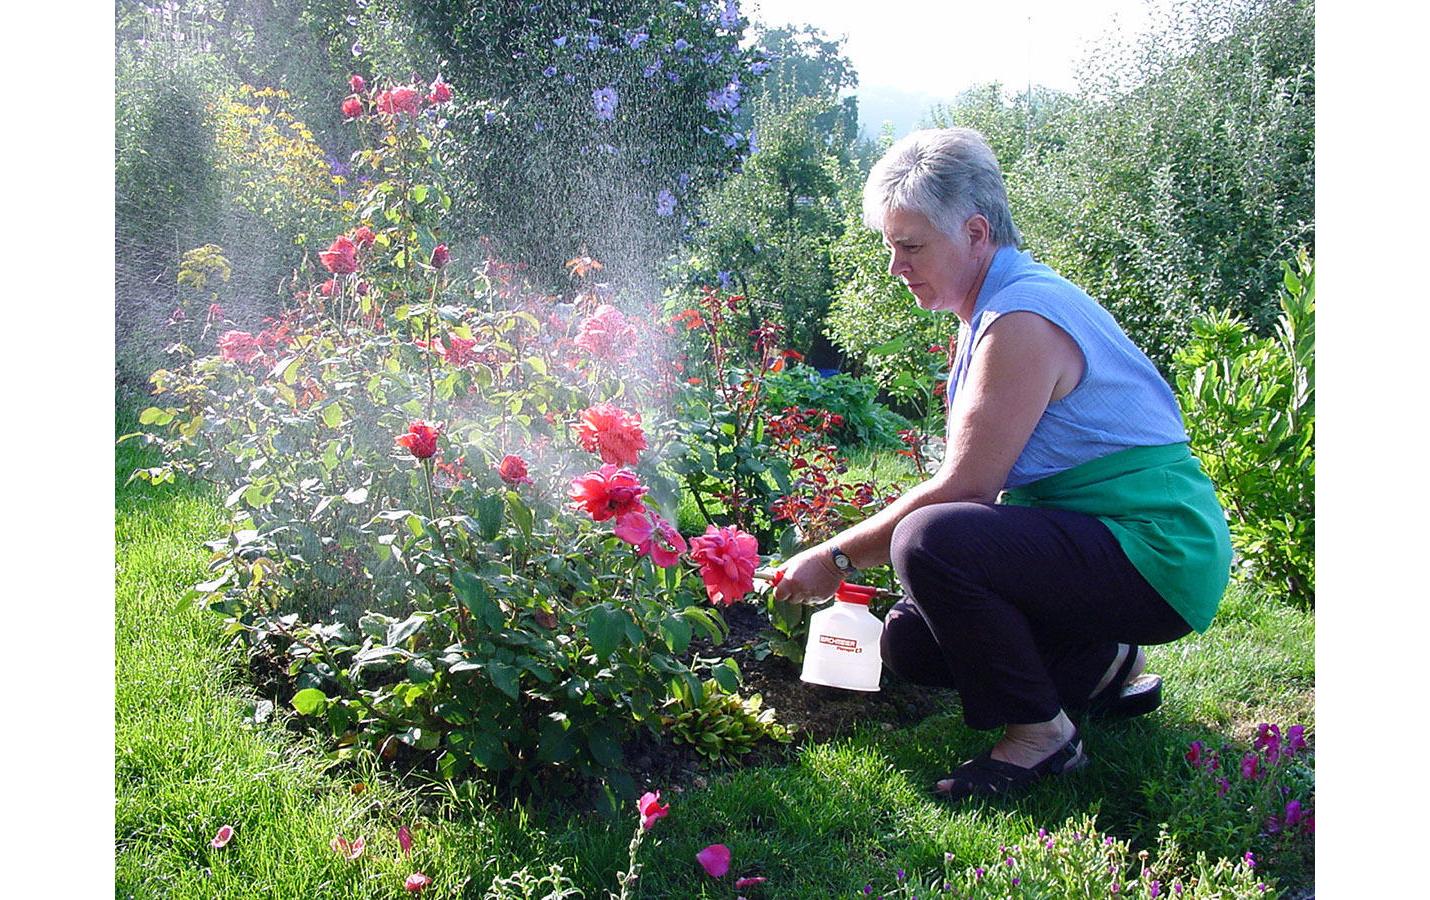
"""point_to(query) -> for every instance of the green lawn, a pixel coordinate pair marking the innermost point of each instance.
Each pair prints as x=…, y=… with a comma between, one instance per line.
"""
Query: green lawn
x=838, y=815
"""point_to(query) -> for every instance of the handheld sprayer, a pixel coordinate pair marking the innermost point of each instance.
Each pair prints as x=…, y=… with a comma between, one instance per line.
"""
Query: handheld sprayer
x=843, y=646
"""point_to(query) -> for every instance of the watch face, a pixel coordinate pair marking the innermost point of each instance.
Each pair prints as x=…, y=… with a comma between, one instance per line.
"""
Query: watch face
x=841, y=561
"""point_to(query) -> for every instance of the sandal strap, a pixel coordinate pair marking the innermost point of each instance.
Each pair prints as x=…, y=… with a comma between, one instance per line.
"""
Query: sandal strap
x=1108, y=696
x=985, y=775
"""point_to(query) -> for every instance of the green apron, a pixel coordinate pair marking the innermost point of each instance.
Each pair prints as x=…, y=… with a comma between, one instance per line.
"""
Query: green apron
x=1163, y=511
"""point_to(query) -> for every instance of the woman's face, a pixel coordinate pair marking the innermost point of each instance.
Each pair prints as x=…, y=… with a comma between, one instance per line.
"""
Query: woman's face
x=941, y=272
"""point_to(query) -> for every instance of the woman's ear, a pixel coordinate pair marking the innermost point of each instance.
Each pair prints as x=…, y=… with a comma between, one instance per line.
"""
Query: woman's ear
x=978, y=229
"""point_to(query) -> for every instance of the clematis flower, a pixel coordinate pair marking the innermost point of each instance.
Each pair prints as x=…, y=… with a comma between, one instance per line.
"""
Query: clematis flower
x=402, y=100
x=651, y=809
x=1293, y=813
x=715, y=859
x=604, y=101
x=751, y=881
x=416, y=882
x=607, y=334
x=727, y=557
x=404, y=840
x=420, y=439
x=341, y=257
x=607, y=492
x=352, y=108
x=221, y=839
x=513, y=470
x=238, y=346
x=612, y=432
x=651, y=535
x=348, y=851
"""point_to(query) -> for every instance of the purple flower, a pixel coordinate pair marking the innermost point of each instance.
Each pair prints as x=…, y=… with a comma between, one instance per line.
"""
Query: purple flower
x=724, y=278
x=549, y=71
x=651, y=69
x=1177, y=888
x=605, y=101
x=1194, y=752
x=759, y=68
x=1295, y=739
x=731, y=16
x=899, y=875
x=726, y=100
x=1250, y=860
x=635, y=40
x=357, y=48
x=1017, y=881
x=868, y=889
x=489, y=118
x=665, y=203
x=1154, y=889
x=1222, y=786
x=733, y=140
x=978, y=873
x=712, y=57
x=681, y=45
x=569, y=78
x=1293, y=813
x=674, y=78
x=593, y=42
x=1248, y=766
x=560, y=42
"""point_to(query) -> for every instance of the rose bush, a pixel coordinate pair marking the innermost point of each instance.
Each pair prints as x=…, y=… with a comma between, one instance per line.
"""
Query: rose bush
x=429, y=540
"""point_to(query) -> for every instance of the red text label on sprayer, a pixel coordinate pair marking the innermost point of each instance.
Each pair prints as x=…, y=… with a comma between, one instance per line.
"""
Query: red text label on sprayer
x=848, y=645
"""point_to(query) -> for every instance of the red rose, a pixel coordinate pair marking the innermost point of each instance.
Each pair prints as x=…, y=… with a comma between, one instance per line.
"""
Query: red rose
x=363, y=236
x=357, y=84
x=613, y=433
x=341, y=257
x=440, y=256
x=513, y=470
x=457, y=351
x=403, y=99
x=727, y=557
x=328, y=287
x=441, y=91
x=352, y=108
x=607, y=492
x=420, y=439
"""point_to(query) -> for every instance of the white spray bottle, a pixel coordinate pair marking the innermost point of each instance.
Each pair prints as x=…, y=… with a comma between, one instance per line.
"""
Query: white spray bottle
x=843, y=646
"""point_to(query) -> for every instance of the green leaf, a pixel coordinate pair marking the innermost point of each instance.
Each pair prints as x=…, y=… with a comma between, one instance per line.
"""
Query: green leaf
x=727, y=674
x=605, y=749
x=677, y=633
x=554, y=745
x=401, y=631
x=332, y=415
x=420, y=670
x=520, y=513
x=156, y=416
x=472, y=592
x=450, y=765
x=310, y=701
x=605, y=629
x=504, y=676
x=418, y=193
x=489, y=510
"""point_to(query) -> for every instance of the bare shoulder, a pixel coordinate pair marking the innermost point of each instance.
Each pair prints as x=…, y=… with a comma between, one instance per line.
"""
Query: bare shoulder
x=1027, y=343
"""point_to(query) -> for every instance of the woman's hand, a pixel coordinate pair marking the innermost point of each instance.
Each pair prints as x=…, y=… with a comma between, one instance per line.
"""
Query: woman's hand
x=809, y=577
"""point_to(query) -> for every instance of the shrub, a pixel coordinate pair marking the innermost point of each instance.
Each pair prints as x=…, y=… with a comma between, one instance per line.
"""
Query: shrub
x=863, y=421
x=1249, y=406
x=397, y=450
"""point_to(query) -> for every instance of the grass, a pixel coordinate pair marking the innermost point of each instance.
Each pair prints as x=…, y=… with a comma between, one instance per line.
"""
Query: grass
x=838, y=815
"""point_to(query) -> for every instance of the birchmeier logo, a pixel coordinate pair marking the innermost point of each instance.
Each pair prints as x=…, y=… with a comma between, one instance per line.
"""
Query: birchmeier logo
x=848, y=645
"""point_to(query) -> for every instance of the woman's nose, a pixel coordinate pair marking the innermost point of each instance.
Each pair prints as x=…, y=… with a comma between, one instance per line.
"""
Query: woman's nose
x=897, y=263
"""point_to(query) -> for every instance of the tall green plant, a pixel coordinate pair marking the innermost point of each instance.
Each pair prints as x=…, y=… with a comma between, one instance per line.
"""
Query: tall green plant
x=1249, y=405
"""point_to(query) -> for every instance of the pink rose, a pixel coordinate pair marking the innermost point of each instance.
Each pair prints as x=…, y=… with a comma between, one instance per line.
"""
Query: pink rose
x=403, y=99
x=607, y=492
x=420, y=439
x=363, y=237
x=352, y=108
x=513, y=470
x=357, y=84
x=239, y=346
x=341, y=257
x=727, y=557
x=607, y=334
x=225, y=834
x=613, y=433
x=651, y=535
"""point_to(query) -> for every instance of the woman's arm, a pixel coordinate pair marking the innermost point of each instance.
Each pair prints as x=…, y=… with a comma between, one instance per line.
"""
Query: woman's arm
x=1023, y=363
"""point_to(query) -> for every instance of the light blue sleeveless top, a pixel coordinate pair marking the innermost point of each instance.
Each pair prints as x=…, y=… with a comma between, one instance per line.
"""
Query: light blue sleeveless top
x=1120, y=402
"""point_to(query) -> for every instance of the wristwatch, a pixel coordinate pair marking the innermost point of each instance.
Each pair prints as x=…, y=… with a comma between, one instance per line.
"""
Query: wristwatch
x=841, y=560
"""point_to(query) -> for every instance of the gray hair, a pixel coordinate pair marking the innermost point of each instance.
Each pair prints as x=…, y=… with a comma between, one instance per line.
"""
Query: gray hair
x=947, y=175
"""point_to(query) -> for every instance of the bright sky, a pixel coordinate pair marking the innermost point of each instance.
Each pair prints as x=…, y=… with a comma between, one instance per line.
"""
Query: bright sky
x=940, y=47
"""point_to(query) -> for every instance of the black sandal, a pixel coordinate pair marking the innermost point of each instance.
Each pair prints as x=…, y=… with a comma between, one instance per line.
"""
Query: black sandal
x=984, y=776
x=1123, y=701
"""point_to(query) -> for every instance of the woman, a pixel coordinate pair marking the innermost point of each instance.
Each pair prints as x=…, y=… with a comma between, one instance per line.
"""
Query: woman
x=1108, y=536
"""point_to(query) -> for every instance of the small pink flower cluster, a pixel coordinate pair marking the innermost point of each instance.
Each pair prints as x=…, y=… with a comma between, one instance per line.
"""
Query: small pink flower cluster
x=1270, y=749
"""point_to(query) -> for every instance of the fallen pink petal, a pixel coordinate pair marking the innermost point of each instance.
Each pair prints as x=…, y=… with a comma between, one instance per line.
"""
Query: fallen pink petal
x=348, y=850
x=404, y=839
x=225, y=834
x=751, y=881
x=715, y=859
x=416, y=882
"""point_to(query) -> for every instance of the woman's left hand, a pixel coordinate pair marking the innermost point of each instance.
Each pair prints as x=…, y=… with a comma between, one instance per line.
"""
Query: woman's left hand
x=809, y=577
